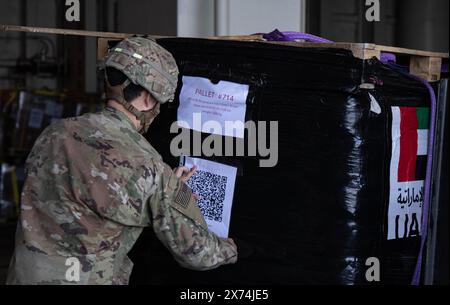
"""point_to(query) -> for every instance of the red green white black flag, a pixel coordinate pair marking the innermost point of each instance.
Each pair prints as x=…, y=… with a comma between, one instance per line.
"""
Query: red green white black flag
x=407, y=170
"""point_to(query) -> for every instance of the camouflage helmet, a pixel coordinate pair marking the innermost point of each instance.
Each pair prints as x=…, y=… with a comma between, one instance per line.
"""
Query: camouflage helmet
x=146, y=64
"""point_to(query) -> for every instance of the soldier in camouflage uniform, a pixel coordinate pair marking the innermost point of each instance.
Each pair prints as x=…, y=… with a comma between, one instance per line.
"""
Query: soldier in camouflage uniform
x=94, y=182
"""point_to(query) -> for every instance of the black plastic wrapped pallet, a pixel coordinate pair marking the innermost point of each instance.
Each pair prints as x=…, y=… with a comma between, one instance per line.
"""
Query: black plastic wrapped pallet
x=318, y=214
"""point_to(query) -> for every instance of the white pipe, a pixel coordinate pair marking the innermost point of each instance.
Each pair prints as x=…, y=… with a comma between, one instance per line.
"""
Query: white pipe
x=195, y=18
x=222, y=10
x=302, y=25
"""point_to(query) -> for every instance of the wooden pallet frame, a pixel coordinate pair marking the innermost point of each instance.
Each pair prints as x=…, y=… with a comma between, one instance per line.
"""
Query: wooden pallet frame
x=424, y=64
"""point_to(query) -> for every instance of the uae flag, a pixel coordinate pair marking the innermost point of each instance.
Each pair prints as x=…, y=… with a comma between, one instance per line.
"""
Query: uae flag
x=413, y=143
x=407, y=170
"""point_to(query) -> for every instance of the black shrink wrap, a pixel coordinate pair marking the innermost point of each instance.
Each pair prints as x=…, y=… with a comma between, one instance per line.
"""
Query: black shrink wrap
x=318, y=214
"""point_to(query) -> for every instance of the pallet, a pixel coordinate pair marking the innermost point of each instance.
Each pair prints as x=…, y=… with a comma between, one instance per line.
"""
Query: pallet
x=424, y=64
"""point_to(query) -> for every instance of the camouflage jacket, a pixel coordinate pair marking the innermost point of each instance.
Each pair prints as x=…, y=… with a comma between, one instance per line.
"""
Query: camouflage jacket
x=93, y=182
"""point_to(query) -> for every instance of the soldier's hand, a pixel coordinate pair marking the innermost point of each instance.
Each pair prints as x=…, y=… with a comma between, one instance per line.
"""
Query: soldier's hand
x=184, y=173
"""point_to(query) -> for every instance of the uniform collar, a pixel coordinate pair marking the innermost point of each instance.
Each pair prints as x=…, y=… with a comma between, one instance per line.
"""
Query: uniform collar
x=120, y=116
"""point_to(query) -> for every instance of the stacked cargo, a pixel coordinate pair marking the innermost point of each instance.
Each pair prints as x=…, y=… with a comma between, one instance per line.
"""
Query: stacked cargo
x=347, y=186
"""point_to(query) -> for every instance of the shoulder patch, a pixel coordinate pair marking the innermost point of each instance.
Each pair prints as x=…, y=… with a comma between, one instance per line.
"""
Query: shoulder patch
x=185, y=203
x=183, y=196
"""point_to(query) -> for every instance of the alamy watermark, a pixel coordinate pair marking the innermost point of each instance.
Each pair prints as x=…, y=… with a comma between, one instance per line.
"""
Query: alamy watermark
x=373, y=10
x=262, y=139
x=373, y=272
x=73, y=270
x=73, y=12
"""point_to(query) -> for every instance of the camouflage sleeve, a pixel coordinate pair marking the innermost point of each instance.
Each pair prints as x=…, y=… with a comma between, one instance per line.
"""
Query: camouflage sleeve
x=179, y=224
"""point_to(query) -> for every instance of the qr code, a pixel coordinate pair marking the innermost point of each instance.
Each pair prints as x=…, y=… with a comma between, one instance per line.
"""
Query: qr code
x=211, y=191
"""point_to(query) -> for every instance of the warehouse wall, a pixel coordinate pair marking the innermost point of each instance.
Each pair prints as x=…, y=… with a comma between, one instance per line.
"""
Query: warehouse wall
x=133, y=16
x=91, y=46
x=195, y=18
x=423, y=24
x=147, y=17
x=9, y=43
x=255, y=16
x=38, y=13
x=415, y=24
x=344, y=20
x=202, y=18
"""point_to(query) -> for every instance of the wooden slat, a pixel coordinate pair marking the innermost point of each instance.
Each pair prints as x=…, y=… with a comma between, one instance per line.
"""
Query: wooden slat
x=239, y=37
x=27, y=29
x=363, y=50
x=410, y=51
x=424, y=64
x=360, y=50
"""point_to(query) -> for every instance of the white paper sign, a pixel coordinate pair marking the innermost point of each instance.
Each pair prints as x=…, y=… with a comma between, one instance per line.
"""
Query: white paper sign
x=221, y=102
x=214, y=184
